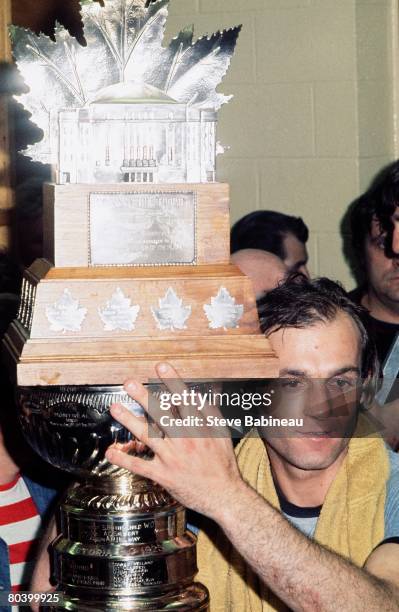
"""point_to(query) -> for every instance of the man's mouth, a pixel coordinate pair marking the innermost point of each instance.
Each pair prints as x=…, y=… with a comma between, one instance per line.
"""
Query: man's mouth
x=393, y=276
x=316, y=434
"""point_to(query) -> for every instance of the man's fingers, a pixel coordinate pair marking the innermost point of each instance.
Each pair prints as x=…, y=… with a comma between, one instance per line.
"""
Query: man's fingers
x=138, y=426
x=141, y=395
x=183, y=405
x=142, y=467
x=138, y=392
x=195, y=402
x=170, y=377
x=177, y=387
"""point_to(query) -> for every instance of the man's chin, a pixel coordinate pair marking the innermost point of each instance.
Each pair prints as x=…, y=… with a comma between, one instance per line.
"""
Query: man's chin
x=391, y=298
x=387, y=292
x=315, y=452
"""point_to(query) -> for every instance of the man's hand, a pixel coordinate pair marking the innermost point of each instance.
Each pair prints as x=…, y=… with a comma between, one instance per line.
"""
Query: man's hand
x=199, y=471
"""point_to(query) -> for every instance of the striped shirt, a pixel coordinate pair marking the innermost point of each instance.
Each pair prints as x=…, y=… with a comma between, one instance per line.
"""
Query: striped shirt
x=20, y=525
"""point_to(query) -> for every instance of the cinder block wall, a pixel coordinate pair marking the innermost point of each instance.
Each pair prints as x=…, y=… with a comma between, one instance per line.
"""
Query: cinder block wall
x=313, y=114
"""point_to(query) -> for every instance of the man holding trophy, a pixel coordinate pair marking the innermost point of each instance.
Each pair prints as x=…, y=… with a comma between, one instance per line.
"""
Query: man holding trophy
x=308, y=520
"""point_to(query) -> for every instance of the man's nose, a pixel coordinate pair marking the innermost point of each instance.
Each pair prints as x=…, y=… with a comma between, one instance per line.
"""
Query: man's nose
x=317, y=405
x=304, y=270
x=395, y=239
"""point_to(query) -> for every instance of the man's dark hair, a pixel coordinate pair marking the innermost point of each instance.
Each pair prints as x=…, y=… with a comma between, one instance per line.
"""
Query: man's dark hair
x=300, y=303
x=379, y=201
x=266, y=230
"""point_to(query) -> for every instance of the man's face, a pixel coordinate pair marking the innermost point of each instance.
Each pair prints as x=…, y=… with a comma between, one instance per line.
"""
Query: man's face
x=296, y=256
x=382, y=263
x=319, y=382
x=395, y=232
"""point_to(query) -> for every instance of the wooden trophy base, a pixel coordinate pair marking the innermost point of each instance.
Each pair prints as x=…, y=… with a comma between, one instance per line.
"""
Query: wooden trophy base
x=69, y=328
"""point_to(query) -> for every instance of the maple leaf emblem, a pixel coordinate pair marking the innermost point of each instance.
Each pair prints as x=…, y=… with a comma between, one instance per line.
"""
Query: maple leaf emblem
x=119, y=313
x=123, y=45
x=171, y=313
x=66, y=315
x=223, y=311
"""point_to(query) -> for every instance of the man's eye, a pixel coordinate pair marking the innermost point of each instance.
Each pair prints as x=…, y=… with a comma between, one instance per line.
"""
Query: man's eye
x=292, y=384
x=342, y=383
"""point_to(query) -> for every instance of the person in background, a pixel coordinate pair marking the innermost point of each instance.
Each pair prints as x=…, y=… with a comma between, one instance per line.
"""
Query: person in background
x=27, y=493
x=264, y=269
x=374, y=255
x=27, y=486
x=277, y=233
x=374, y=226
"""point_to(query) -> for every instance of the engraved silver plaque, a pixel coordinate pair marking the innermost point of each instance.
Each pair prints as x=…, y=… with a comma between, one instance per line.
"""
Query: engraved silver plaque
x=142, y=229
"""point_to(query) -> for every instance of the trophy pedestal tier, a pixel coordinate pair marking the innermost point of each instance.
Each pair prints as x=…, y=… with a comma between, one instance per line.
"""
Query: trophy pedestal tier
x=89, y=225
x=124, y=546
x=95, y=326
x=193, y=597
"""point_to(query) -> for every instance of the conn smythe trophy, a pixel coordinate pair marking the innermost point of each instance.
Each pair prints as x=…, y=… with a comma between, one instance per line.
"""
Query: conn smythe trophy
x=135, y=270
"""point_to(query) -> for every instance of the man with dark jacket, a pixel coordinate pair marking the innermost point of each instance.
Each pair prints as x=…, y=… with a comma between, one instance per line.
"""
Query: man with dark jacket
x=374, y=222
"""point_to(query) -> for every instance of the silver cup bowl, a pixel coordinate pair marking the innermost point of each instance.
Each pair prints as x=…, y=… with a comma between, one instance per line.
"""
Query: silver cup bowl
x=71, y=427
